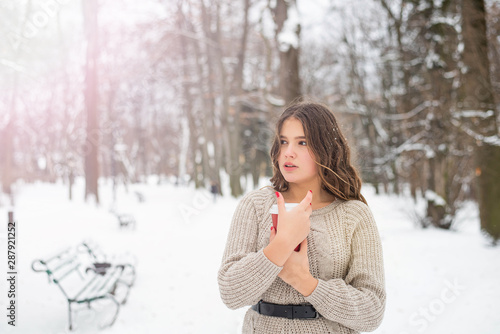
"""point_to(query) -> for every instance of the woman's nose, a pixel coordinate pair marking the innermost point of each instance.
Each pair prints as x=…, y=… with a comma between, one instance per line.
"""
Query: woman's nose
x=290, y=152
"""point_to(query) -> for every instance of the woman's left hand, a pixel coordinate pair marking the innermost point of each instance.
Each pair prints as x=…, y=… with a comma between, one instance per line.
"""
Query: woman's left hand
x=296, y=269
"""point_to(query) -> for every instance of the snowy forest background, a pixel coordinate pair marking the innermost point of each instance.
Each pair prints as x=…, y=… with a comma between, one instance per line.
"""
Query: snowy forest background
x=138, y=106
x=192, y=89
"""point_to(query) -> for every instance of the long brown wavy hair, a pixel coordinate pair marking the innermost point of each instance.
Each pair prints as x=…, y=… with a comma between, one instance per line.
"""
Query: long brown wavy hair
x=329, y=147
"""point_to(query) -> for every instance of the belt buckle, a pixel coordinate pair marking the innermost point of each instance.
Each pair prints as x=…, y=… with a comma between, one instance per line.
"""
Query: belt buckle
x=316, y=315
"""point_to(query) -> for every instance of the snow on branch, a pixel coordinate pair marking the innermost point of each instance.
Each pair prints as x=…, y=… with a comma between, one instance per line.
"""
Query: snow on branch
x=354, y=109
x=380, y=129
x=288, y=36
x=266, y=23
x=490, y=140
x=474, y=113
x=453, y=22
x=412, y=144
x=435, y=198
x=411, y=113
x=363, y=111
x=275, y=101
x=429, y=152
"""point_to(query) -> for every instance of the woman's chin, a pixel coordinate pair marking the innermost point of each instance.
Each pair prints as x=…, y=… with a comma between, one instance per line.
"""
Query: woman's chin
x=291, y=179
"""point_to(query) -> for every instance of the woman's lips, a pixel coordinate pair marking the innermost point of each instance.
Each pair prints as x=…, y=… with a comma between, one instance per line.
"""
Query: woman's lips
x=289, y=169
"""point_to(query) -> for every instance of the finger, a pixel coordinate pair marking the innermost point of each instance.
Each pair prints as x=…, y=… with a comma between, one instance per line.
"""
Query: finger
x=273, y=234
x=281, y=202
x=303, y=246
x=309, y=210
x=306, y=202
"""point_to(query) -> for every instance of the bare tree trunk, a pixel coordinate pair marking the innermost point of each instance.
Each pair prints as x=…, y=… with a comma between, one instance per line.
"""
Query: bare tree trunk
x=91, y=147
x=229, y=116
x=285, y=14
x=405, y=98
x=237, y=86
x=207, y=105
x=7, y=154
x=476, y=96
x=68, y=161
x=187, y=98
x=6, y=136
x=7, y=144
x=442, y=43
x=238, y=72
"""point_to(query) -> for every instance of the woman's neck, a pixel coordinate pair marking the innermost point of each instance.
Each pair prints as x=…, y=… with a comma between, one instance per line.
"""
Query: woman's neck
x=296, y=193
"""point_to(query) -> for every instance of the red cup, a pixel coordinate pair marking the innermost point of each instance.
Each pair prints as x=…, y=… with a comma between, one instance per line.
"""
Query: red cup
x=274, y=216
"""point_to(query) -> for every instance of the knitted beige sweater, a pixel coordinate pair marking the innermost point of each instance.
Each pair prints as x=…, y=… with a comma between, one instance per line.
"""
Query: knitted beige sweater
x=345, y=255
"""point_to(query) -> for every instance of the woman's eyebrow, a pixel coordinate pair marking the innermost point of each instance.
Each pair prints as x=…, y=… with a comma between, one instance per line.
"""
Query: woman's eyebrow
x=299, y=137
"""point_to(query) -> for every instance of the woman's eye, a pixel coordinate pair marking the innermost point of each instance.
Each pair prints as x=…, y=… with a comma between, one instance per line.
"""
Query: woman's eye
x=282, y=142
x=303, y=143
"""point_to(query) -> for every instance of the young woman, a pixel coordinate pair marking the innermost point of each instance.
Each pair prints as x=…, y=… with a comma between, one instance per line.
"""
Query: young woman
x=335, y=282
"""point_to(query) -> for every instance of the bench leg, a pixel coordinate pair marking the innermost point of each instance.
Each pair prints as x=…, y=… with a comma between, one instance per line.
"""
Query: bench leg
x=129, y=283
x=117, y=310
x=131, y=273
x=127, y=286
x=70, y=318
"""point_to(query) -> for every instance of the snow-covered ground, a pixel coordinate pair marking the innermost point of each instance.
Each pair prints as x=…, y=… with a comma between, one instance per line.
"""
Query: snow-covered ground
x=437, y=281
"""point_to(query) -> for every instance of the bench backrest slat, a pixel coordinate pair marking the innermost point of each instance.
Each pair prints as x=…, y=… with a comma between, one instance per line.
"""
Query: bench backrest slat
x=61, y=277
x=58, y=255
x=101, y=285
x=80, y=294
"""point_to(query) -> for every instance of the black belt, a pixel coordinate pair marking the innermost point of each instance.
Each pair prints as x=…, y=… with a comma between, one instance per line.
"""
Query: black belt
x=286, y=311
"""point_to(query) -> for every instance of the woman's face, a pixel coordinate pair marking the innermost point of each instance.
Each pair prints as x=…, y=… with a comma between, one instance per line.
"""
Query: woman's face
x=294, y=150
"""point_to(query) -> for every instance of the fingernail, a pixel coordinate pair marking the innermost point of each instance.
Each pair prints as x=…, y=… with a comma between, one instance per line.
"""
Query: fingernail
x=310, y=204
x=272, y=228
x=311, y=191
x=277, y=194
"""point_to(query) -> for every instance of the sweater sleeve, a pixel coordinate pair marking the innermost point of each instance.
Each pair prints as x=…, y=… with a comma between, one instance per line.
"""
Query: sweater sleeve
x=358, y=301
x=245, y=273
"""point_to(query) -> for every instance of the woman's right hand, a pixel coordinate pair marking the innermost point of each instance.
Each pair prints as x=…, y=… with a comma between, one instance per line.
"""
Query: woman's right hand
x=294, y=225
